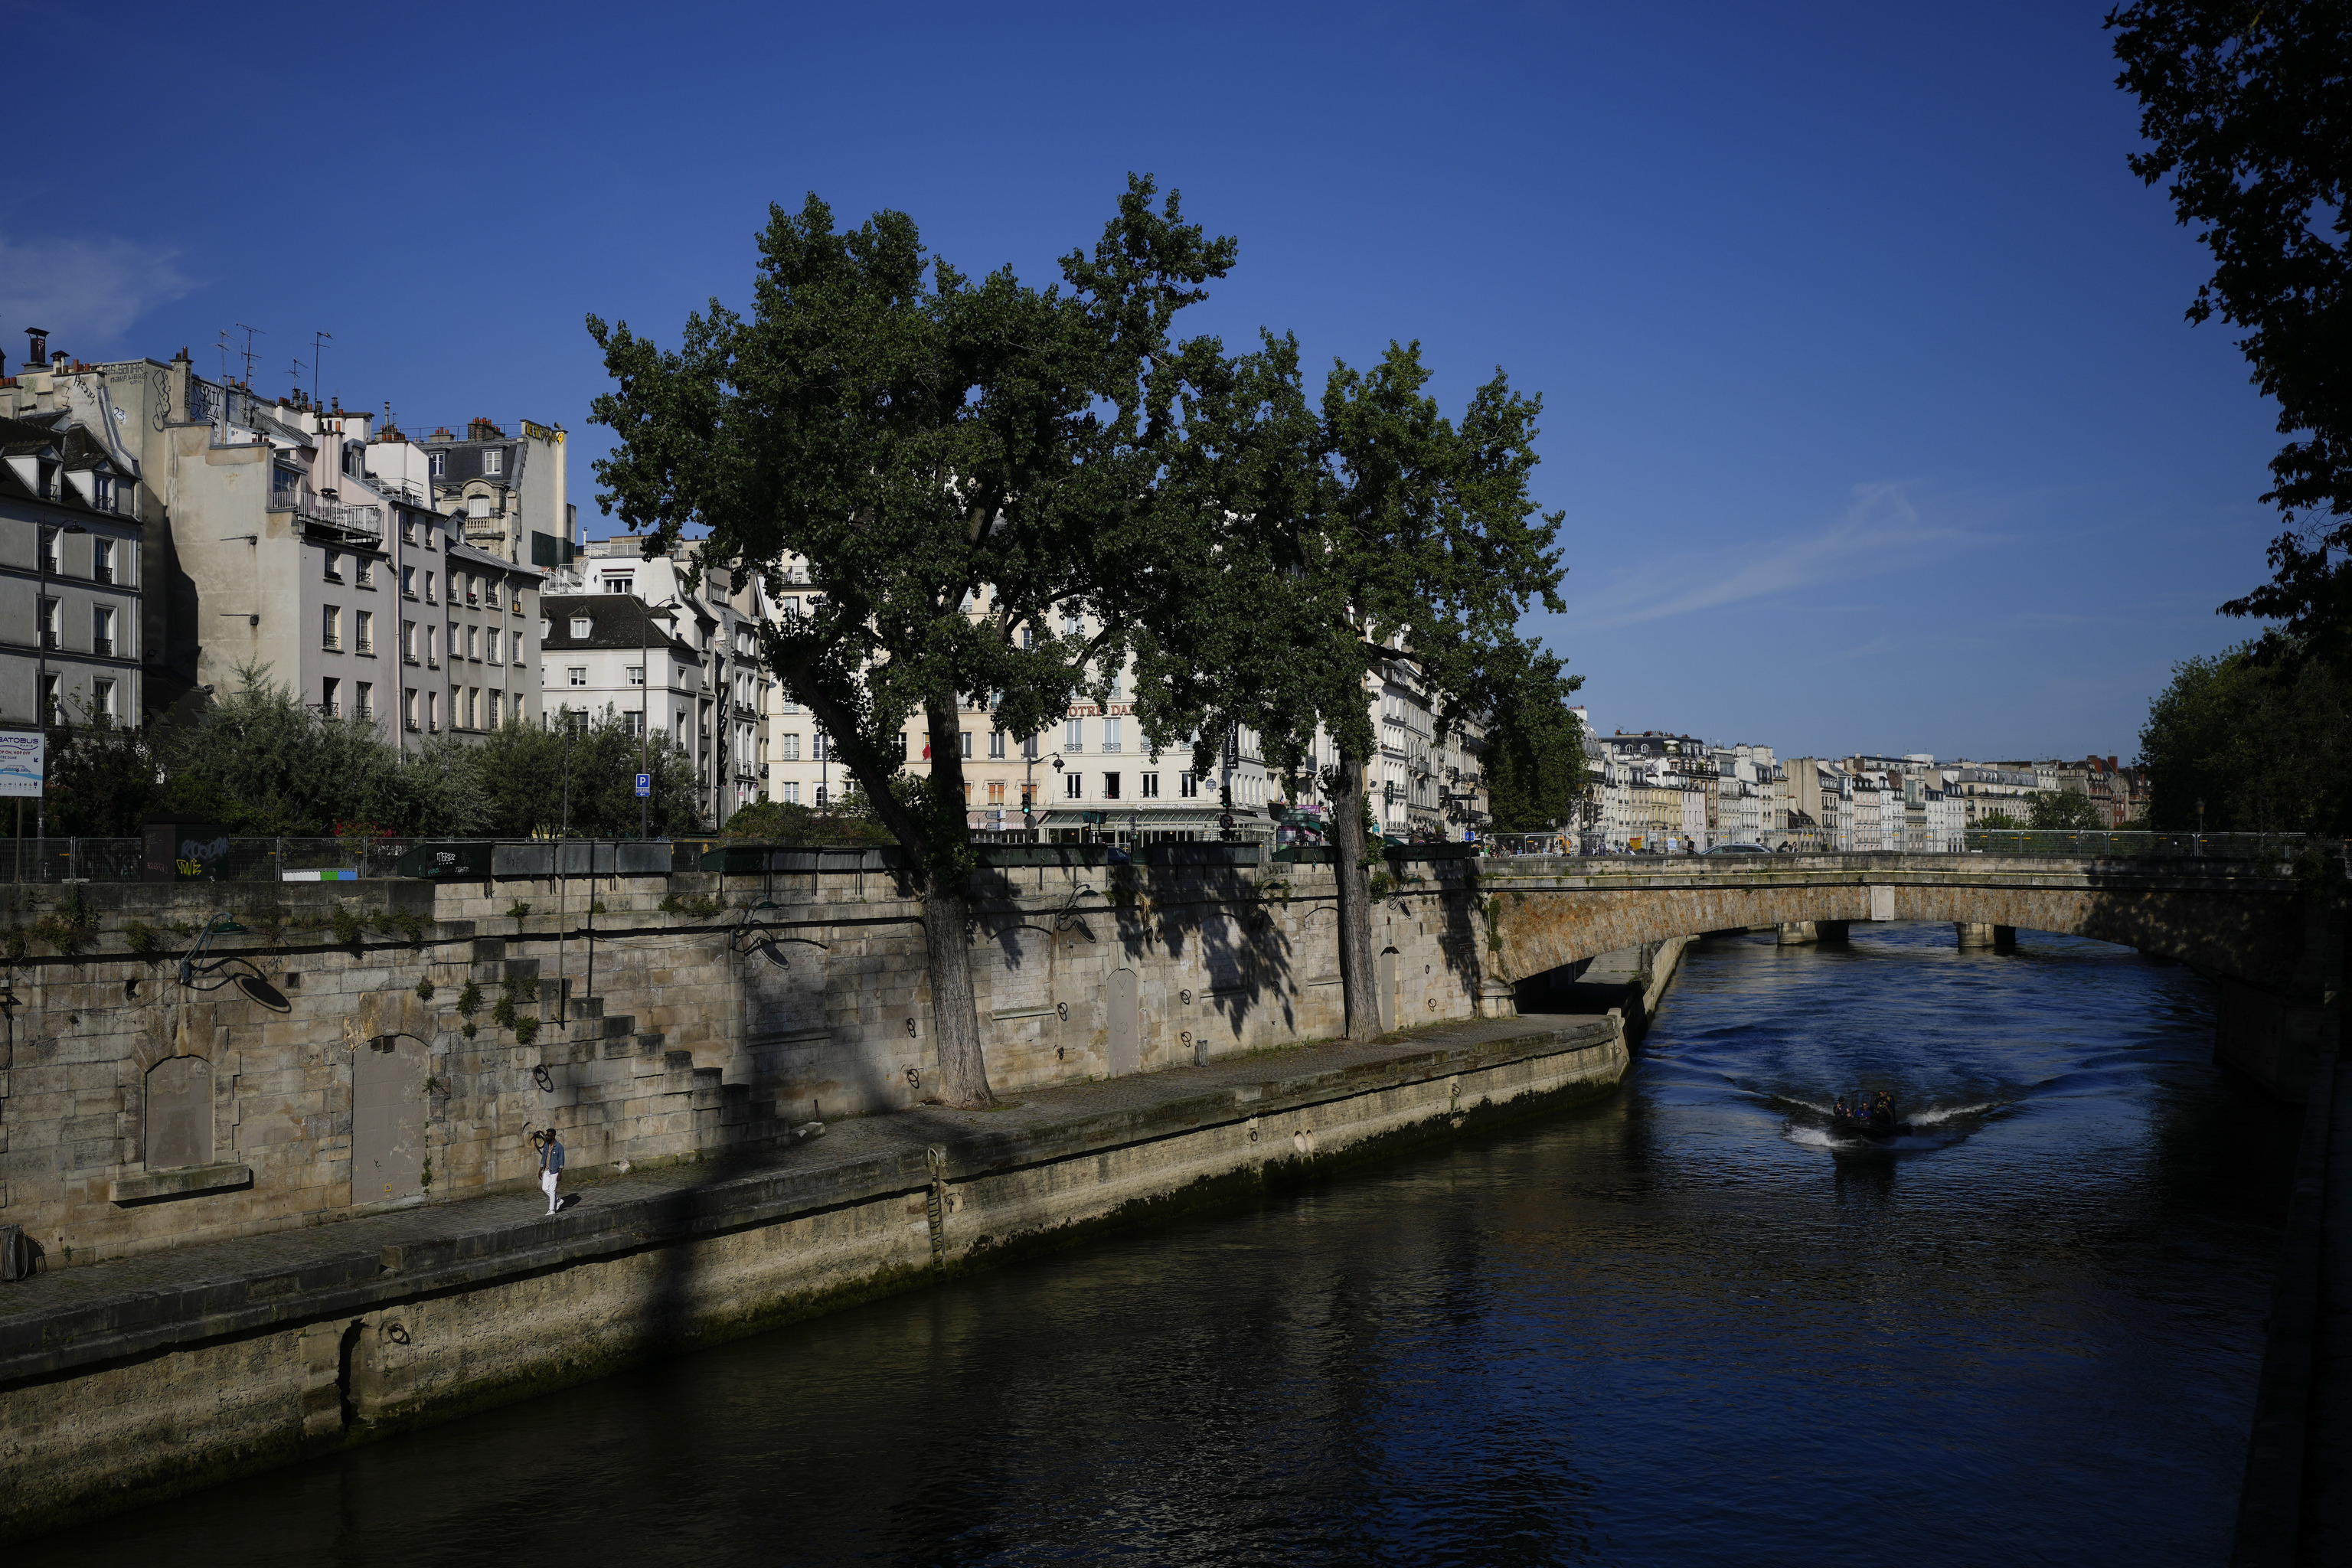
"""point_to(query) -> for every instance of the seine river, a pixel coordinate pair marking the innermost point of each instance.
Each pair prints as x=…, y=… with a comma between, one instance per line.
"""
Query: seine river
x=1682, y=1327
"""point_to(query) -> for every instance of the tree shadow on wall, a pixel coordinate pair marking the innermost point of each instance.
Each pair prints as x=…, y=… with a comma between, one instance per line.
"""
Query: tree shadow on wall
x=1221, y=930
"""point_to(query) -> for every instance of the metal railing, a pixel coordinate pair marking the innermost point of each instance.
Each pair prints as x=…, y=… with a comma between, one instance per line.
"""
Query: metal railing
x=241, y=860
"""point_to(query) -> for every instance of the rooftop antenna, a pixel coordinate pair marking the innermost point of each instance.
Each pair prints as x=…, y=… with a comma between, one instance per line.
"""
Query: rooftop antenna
x=223, y=345
x=299, y=368
x=248, y=353
x=317, y=357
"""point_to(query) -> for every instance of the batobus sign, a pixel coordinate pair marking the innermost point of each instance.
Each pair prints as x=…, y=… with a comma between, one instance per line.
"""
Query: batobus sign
x=24, y=764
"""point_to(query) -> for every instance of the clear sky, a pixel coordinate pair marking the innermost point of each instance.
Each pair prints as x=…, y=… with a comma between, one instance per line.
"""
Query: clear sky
x=1867, y=392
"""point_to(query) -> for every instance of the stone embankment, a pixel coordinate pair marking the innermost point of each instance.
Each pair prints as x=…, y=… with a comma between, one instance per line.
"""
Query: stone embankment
x=129, y=1380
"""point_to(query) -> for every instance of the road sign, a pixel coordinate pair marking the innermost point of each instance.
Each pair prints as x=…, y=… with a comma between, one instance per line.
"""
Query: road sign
x=1225, y=819
x=644, y=786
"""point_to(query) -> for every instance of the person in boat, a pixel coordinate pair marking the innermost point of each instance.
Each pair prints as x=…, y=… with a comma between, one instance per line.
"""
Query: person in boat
x=1841, y=1113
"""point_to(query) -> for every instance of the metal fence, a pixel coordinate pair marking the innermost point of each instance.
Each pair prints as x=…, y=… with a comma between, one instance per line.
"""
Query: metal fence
x=243, y=860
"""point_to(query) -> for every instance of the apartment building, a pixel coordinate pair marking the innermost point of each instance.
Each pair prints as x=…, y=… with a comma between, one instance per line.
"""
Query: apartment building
x=722, y=712
x=71, y=537
x=298, y=540
x=509, y=493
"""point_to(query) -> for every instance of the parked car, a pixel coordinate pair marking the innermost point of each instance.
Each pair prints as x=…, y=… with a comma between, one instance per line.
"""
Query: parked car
x=1739, y=850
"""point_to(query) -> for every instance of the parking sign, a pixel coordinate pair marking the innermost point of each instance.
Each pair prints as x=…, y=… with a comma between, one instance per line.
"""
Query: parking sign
x=644, y=786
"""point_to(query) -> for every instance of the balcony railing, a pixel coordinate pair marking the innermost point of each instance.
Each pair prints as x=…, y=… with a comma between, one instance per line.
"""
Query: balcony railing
x=332, y=643
x=355, y=523
x=48, y=638
x=101, y=572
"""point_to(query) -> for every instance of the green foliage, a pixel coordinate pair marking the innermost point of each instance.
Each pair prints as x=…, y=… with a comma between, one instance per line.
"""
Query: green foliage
x=139, y=938
x=2244, y=110
x=918, y=436
x=526, y=1028
x=101, y=779
x=470, y=1028
x=2061, y=809
x=1534, y=745
x=425, y=989
x=502, y=1013
x=523, y=774
x=469, y=1000
x=348, y=925
x=518, y=911
x=782, y=822
x=259, y=761
x=2268, y=748
x=1998, y=819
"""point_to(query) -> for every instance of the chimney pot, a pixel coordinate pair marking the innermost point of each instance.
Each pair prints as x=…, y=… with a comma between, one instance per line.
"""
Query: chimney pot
x=40, y=348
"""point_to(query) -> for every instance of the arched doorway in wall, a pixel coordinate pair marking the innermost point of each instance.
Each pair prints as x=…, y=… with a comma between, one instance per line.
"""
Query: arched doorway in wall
x=1386, y=981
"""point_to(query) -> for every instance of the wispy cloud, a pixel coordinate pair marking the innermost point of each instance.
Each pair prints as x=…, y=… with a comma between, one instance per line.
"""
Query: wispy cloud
x=86, y=289
x=1881, y=530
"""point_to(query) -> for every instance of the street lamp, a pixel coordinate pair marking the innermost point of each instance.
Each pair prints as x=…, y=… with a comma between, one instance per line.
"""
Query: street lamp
x=1029, y=761
x=2200, y=825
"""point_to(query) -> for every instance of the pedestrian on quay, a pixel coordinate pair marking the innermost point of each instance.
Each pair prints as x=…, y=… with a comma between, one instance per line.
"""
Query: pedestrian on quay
x=551, y=1165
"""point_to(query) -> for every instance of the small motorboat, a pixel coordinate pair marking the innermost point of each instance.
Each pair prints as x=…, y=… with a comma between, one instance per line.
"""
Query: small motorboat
x=1874, y=1120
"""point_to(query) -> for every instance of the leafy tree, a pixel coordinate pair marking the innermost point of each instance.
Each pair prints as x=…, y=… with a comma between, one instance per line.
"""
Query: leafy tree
x=527, y=786
x=103, y=779
x=2246, y=108
x=2267, y=748
x=1366, y=528
x=2062, y=808
x=927, y=442
x=788, y=822
x=260, y=761
x=1535, y=746
x=1998, y=819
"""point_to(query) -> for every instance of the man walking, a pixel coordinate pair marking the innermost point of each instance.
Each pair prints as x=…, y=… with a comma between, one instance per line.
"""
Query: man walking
x=550, y=1167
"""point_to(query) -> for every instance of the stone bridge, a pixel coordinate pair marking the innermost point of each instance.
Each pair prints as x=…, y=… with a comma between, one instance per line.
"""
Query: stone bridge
x=2275, y=951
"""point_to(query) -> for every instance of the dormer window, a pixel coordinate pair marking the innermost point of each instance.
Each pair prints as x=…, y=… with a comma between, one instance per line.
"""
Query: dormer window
x=579, y=626
x=494, y=460
x=101, y=492
x=439, y=464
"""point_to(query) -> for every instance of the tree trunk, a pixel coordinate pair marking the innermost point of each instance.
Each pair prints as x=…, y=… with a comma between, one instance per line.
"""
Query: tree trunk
x=962, y=1075
x=947, y=920
x=955, y=1011
x=1357, y=985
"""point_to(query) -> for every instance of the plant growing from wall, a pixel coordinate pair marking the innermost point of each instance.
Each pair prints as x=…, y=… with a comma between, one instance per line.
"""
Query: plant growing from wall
x=519, y=912
x=348, y=926
x=139, y=938
x=469, y=1000
x=526, y=1028
x=425, y=989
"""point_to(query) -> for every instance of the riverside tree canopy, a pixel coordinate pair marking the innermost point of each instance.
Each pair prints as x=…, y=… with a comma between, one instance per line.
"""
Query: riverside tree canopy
x=2247, y=108
x=964, y=463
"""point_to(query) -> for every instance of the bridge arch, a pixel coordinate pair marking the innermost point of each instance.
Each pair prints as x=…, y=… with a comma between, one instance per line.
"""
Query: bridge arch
x=2276, y=953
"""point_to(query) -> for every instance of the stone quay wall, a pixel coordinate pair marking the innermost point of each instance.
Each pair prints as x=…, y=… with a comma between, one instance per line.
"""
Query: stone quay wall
x=132, y=1397
x=365, y=1045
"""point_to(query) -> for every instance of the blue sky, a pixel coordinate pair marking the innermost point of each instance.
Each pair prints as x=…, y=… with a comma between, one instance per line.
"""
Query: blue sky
x=1867, y=392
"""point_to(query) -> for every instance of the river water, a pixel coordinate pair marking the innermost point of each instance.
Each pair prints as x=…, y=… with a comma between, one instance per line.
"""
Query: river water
x=1682, y=1327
